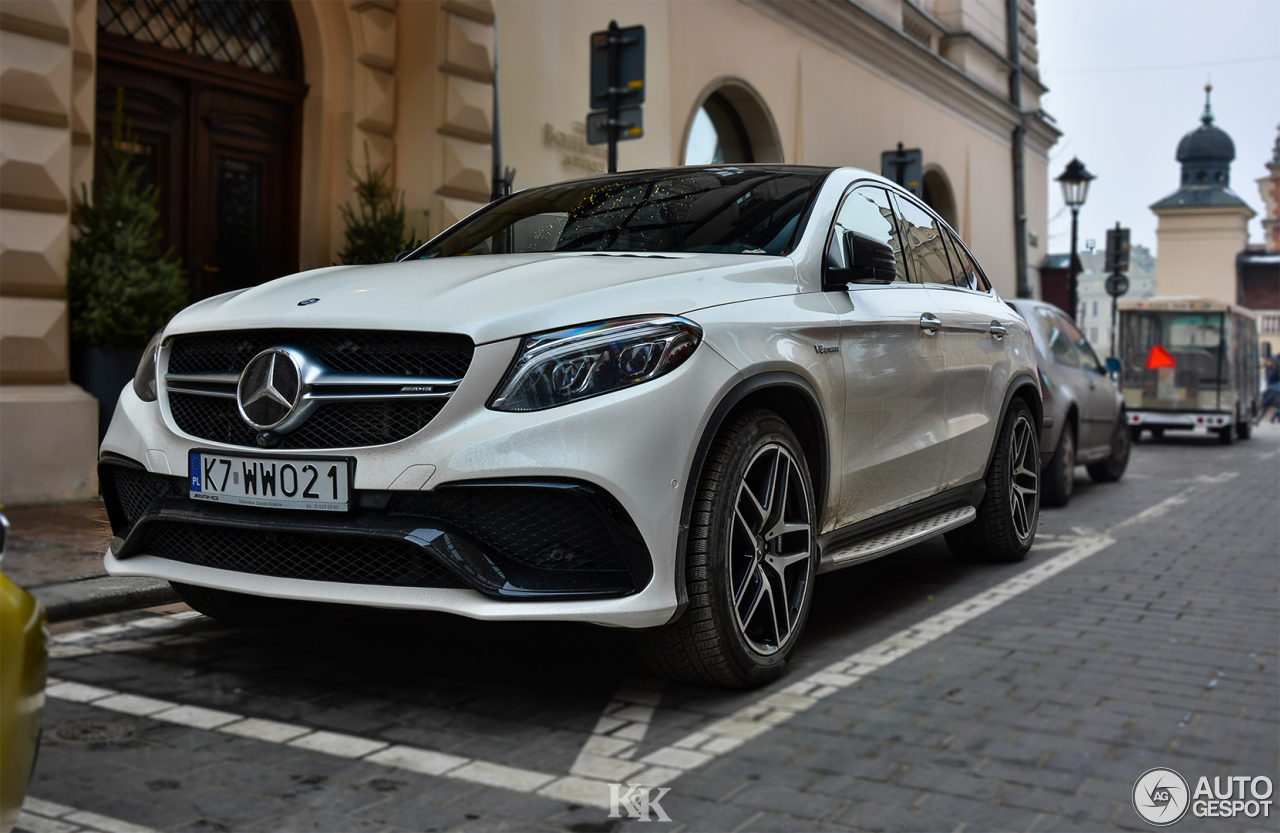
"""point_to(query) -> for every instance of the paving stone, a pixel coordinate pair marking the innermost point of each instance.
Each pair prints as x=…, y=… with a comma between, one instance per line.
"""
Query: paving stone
x=1048, y=706
x=778, y=799
x=880, y=818
x=413, y=815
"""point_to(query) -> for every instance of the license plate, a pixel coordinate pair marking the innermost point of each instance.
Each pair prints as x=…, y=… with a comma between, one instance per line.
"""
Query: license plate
x=320, y=483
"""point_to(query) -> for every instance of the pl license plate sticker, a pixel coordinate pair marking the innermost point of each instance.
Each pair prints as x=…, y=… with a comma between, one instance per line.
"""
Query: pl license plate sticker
x=321, y=484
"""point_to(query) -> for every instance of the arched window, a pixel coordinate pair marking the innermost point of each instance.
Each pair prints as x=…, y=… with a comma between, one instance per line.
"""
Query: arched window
x=938, y=195
x=731, y=125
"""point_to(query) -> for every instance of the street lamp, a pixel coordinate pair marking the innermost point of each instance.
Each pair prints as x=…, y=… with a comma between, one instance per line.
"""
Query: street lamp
x=1075, y=187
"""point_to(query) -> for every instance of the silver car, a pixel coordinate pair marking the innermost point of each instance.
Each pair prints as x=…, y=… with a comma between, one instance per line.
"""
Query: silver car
x=1084, y=411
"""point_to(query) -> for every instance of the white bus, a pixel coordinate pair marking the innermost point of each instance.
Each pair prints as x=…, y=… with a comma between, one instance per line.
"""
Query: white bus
x=1187, y=364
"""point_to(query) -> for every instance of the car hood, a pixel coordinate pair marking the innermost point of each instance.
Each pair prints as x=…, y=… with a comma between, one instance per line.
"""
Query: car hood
x=494, y=297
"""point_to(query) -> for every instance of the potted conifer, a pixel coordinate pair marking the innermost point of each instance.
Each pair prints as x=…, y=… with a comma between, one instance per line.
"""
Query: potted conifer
x=376, y=234
x=122, y=284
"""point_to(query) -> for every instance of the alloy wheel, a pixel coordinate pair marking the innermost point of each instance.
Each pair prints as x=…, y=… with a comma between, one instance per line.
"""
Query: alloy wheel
x=770, y=546
x=1024, y=496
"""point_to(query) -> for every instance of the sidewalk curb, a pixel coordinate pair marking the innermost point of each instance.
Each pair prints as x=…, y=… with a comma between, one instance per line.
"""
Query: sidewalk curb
x=97, y=596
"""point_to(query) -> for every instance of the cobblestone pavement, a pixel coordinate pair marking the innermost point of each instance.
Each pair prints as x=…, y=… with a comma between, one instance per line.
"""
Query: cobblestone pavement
x=51, y=544
x=929, y=694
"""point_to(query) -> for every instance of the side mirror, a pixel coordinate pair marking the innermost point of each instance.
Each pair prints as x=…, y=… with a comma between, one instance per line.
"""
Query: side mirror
x=1113, y=365
x=871, y=261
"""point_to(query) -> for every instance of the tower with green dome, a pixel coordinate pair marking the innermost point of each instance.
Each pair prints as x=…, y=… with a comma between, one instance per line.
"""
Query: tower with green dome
x=1204, y=224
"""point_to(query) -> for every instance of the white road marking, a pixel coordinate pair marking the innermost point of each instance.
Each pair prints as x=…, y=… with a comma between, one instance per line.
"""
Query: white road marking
x=40, y=816
x=1160, y=509
x=627, y=717
x=302, y=737
x=608, y=752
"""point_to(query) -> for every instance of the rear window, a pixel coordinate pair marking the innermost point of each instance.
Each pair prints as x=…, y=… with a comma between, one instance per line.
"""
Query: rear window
x=1172, y=357
x=726, y=210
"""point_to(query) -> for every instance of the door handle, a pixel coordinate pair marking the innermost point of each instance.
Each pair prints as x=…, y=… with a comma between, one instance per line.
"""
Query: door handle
x=997, y=330
x=930, y=323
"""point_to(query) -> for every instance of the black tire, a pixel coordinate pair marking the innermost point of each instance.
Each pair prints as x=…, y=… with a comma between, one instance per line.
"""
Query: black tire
x=1157, y=433
x=731, y=565
x=1112, y=469
x=1009, y=513
x=1135, y=434
x=1227, y=435
x=1060, y=475
x=242, y=609
x=1244, y=430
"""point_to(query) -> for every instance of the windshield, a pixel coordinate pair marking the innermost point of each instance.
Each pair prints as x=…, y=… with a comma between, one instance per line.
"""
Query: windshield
x=725, y=210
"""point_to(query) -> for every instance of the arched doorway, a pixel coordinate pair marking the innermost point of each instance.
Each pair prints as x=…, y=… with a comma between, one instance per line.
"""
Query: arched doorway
x=937, y=194
x=731, y=124
x=214, y=91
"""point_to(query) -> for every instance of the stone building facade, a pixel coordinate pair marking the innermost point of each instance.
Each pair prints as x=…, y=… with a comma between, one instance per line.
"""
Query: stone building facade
x=249, y=116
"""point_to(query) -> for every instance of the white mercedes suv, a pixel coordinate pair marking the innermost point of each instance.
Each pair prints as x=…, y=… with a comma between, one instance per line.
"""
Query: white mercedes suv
x=663, y=400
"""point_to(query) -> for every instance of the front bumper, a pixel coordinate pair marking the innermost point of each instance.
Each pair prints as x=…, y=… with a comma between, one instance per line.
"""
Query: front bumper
x=515, y=540
x=1186, y=420
x=634, y=447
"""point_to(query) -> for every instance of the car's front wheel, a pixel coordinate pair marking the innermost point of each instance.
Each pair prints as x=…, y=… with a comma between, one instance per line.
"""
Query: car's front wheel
x=750, y=560
x=1009, y=513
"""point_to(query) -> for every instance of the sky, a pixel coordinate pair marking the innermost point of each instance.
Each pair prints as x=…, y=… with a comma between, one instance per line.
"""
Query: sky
x=1123, y=118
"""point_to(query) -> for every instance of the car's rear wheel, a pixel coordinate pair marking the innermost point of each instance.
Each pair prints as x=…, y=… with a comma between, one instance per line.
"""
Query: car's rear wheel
x=241, y=609
x=1060, y=476
x=1227, y=435
x=1244, y=429
x=1010, y=510
x=1112, y=469
x=750, y=560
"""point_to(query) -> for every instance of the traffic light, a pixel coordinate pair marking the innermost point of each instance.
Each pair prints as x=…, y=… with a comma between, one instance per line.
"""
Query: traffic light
x=1117, y=250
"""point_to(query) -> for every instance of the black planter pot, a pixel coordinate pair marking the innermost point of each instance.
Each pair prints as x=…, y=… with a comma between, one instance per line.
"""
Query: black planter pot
x=104, y=373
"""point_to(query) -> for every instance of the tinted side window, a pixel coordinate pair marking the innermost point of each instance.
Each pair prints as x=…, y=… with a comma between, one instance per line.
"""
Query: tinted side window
x=866, y=211
x=958, y=276
x=1061, y=346
x=972, y=277
x=1088, y=359
x=922, y=236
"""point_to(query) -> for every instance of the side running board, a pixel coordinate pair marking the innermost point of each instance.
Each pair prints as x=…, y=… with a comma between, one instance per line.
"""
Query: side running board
x=896, y=539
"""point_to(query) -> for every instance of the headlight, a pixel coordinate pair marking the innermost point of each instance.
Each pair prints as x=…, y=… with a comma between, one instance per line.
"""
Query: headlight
x=580, y=362
x=144, y=379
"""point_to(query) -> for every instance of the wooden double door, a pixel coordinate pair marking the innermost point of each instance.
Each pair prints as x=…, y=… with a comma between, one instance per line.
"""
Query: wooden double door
x=222, y=145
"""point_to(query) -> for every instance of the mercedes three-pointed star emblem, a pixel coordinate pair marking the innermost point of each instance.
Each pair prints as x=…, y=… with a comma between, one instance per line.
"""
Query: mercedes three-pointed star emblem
x=269, y=388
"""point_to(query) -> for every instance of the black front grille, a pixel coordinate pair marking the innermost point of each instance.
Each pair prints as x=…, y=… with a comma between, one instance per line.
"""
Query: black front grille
x=347, y=351
x=129, y=492
x=546, y=528
x=343, y=558
x=332, y=425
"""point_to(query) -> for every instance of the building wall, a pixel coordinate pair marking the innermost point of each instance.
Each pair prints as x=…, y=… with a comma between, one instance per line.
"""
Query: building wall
x=1197, y=250
x=829, y=101
x=412, y=82
x=48, y=426
x=409, y=83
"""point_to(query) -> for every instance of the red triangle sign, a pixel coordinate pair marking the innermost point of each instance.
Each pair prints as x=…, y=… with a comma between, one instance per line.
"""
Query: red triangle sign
x=1160, y=358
